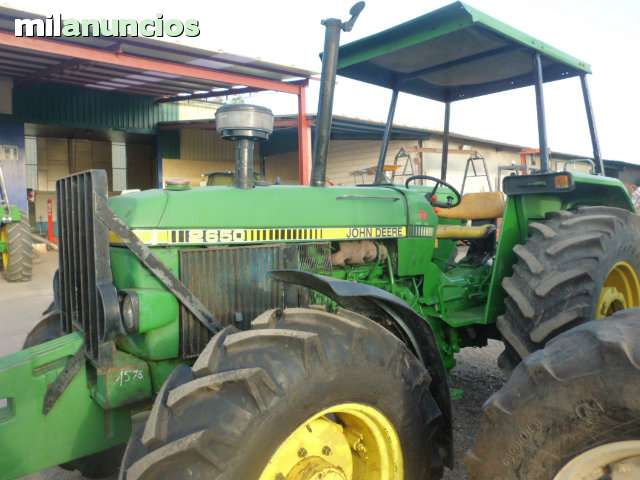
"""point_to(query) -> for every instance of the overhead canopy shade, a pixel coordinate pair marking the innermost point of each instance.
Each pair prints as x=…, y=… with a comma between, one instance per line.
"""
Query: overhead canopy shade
x=167, y=71
x=451, y=54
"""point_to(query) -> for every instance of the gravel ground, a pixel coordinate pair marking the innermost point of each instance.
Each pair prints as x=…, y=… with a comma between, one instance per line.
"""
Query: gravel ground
x=476, y=372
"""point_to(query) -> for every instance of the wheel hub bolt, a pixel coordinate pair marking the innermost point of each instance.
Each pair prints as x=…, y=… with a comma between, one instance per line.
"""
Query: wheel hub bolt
x=302, y=452
x=326, y=451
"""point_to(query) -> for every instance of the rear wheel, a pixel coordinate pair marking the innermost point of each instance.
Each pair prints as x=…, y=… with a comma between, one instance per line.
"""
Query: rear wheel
x=576, y=266
x=304, y=395
x=569, y=412
x=18, y=257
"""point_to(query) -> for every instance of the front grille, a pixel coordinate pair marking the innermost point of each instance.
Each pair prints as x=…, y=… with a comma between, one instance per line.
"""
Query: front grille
x=85, y=271
x=233, y=282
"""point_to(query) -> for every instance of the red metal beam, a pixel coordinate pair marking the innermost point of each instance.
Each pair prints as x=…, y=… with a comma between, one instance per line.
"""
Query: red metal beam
x=66, y=49
x=304, y=151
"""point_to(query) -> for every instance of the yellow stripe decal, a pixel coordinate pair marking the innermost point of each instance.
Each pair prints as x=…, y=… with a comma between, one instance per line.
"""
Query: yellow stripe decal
x=214, y=236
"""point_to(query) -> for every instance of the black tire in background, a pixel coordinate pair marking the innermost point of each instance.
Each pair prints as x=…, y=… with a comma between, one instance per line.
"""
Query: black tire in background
x=46, y=329
x=98, y=465
x=249, y=390
x=20, y=251
x=560, y=272
x=580, y=392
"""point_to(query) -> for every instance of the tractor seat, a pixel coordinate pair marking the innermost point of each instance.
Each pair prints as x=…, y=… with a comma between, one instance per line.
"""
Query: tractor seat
x=472, y=206
x=475, y=206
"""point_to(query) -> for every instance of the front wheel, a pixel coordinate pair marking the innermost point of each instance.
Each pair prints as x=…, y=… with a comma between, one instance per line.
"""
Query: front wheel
x=304, y=395
x=570, y=411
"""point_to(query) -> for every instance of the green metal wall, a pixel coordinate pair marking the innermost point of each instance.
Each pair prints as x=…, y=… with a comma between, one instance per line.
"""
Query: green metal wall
x=70, y=106
x=169, y=143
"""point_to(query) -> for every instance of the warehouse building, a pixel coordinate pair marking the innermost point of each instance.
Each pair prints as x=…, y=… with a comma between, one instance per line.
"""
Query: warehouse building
x=354, y=150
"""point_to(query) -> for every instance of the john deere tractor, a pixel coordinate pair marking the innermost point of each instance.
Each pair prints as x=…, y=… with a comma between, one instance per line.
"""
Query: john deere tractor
x=15, y=239
x=304, y=332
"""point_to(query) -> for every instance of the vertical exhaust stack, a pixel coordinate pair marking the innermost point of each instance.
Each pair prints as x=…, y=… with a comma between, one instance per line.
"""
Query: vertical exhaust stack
x=245, y=125
x=333, y=27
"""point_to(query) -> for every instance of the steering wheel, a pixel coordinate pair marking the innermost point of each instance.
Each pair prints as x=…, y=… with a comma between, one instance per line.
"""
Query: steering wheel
x=432, y=197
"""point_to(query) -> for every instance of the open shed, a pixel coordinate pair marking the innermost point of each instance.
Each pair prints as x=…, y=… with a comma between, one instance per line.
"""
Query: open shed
x=68, y=104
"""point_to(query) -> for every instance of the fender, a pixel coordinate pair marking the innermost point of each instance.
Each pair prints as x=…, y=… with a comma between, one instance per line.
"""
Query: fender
x=368, y=300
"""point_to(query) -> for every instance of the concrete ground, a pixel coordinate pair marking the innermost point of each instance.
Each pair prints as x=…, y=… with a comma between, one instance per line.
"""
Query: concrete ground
x=476, y=373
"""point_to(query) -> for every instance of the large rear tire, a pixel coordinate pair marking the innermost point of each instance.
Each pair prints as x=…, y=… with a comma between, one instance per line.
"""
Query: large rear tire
x=304, y=394
x=570, y=411
x=576, y=266
x=18, y=259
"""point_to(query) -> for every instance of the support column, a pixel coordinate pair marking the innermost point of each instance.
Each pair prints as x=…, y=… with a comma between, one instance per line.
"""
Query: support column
x=158, y=160
x=304, y=138
x=385, y=138
x=118, y=166
x=595, y=143
x=542, y=122
x=445, y=142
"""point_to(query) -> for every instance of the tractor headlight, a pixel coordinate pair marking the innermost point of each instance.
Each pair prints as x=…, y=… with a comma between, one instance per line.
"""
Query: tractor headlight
x=130, y=310
x=144, y=309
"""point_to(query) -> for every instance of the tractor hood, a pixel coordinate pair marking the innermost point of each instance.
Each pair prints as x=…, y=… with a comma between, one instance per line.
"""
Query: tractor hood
x=262, y=207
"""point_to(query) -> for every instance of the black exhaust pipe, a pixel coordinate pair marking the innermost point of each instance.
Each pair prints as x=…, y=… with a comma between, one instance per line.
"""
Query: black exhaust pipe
x=333, y=27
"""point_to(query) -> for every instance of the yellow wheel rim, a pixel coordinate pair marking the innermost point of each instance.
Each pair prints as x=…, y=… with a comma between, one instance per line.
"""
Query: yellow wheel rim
x=621, y=290
x=4, y=239
x=612, y=460
x=350, y=441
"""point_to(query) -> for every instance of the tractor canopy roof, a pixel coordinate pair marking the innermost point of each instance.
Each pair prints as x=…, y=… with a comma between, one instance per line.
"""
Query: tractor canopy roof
x=453, y=53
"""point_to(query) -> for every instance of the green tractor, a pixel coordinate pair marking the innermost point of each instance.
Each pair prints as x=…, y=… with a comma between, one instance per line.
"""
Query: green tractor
x=291, y=332
x=15, y=239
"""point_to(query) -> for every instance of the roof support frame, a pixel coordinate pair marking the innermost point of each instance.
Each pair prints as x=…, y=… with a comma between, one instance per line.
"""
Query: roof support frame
x=179, y=83
x=593, y=132
x=379, y=178
x=542, y=122
x=225, y=93
x=121, y=83
x=141, y=63
x=445, y=142
x=105, y=88
x=63, y=67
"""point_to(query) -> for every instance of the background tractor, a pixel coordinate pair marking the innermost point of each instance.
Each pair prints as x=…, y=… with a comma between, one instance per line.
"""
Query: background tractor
x=15, y=239
x=270, y=332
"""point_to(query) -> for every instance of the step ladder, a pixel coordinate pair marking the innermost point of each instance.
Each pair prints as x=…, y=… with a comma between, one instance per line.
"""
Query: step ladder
x=477, y=172
x=408, y=169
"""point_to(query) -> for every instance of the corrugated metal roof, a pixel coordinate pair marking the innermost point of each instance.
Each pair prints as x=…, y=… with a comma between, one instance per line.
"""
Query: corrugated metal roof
x=26, y=65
